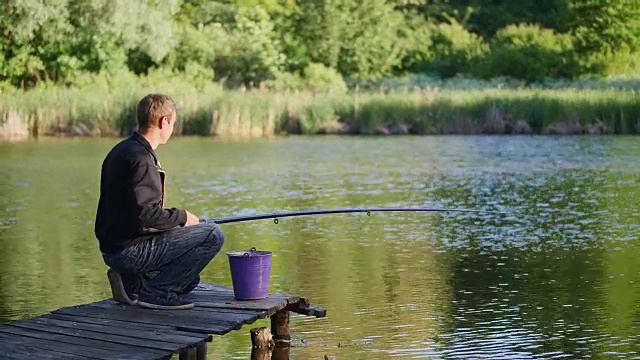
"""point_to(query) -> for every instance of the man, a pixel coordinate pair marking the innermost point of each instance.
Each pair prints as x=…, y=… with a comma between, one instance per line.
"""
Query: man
x=137, y=234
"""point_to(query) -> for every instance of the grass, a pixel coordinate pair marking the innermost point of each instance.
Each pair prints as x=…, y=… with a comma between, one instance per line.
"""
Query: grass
x=105, y=106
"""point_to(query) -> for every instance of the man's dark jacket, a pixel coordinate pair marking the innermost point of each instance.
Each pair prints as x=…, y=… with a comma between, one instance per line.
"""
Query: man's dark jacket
x=131, y=201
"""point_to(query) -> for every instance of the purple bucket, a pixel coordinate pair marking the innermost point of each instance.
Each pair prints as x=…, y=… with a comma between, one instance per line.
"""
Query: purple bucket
x=250, y=273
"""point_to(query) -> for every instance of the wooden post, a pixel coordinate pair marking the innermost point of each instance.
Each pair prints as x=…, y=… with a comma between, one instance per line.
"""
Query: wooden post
x=280, y=326
x=188, y=354
x=261, y=337
x=281, y=352
x=260, y=353
x=201, y=351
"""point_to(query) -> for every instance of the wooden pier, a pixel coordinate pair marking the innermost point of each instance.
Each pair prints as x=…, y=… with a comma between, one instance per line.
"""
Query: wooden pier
x=108, y=330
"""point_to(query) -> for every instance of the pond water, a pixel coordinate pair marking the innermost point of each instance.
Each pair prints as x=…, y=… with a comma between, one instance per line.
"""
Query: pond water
x=557, y=277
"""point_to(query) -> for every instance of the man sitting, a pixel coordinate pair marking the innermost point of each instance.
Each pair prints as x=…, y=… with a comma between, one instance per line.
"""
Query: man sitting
x=138, y=236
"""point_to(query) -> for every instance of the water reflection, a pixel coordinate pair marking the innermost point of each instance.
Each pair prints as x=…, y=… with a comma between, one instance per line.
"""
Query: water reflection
x=558, y=277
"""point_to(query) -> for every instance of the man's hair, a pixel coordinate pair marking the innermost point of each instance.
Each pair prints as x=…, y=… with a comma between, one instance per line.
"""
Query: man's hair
x=153, y=107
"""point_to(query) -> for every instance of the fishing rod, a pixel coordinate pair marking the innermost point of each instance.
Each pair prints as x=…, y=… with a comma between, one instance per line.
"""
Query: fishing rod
x=275, y=216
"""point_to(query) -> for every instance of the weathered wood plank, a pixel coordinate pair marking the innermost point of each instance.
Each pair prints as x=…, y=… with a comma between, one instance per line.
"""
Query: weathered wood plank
x=250, y=311
x=195, y=323
x=261, y=314
x=18, y=351
x=73, y=349
x=116, y=323
x=222, y=317
x=263, y=307
x=248, y=306
x=116, y=339
x=131, y=332
x=303, y=307
x=205, y=286
x=133, y=352
x=109, y=330
x=219, y=297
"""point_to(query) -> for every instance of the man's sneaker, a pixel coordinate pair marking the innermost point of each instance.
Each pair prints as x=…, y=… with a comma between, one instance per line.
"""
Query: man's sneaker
x=120, y=294
x=151, y=301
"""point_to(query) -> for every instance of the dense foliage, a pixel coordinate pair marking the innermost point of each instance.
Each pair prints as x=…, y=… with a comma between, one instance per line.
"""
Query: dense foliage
x=319, y=43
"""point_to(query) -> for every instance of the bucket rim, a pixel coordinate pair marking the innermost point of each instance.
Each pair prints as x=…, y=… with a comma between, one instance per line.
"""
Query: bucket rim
x=248, y=253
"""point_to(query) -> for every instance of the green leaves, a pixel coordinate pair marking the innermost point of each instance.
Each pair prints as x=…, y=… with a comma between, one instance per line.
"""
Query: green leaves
x=531, y=53
x=253, y=52
x=603, y=31
x=358, y=38
x=250, y=41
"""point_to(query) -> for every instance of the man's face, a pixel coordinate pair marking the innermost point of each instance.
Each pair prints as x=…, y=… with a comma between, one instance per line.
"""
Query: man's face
x=167, y=127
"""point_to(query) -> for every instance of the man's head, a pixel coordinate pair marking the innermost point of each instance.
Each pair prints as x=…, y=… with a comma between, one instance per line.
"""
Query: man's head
x=156, y=114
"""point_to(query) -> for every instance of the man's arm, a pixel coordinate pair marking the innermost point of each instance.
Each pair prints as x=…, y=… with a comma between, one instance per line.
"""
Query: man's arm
x=147, y=191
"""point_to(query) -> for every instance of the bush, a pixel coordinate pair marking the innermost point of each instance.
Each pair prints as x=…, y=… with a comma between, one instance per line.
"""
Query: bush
x=455, y=50
x=623, y=61
x=316, y=78
x=320, y=78
x=418, y=38
x=253, y=53
x=530, y=53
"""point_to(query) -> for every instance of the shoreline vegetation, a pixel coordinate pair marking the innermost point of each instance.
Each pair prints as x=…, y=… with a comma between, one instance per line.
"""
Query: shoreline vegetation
x=105, y=107
x=258, y=68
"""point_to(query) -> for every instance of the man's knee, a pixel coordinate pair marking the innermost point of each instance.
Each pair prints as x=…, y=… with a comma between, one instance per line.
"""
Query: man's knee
x=215, y=236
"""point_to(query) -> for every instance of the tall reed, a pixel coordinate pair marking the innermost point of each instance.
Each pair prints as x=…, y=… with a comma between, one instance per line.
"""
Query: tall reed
x=106, y=107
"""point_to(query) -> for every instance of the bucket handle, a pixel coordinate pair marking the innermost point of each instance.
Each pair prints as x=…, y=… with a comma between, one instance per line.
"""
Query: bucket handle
x=246, y=254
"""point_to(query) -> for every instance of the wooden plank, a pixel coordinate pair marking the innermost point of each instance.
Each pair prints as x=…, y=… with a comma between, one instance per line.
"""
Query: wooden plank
x=303, y=307
x=133, y=352
x=270, y=304
x=261, y=314
x=259, y=311
x=220, y=317
x=116, y=339
x=221, y=291
x=248, y=312
x=196, y=323
x=85, y=352
x=19, y=351
x=248, y=306
x=266, y=303
x=113, y=304
x=131, y=332
x=203, y=285
x=212, y=293
x=116, y=323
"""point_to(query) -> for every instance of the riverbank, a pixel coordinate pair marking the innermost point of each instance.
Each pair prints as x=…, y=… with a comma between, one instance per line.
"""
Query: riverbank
x=108, y=109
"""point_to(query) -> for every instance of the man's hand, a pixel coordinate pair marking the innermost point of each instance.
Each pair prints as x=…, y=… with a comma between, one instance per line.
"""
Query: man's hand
x=191, y=219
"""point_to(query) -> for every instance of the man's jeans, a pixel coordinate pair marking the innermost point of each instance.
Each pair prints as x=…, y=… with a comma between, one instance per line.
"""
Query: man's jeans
x=177, y=256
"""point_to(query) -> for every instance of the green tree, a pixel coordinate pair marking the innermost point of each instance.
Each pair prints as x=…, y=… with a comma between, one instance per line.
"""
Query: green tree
x=108, y=30
x=32, y=34
x=58, y=39
x=531, y=53
x=455, y=50
x=603, y=29
x=347, y=35
x=253, y=52
x=489, y=16
x=486, y=17
x=418, y=37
